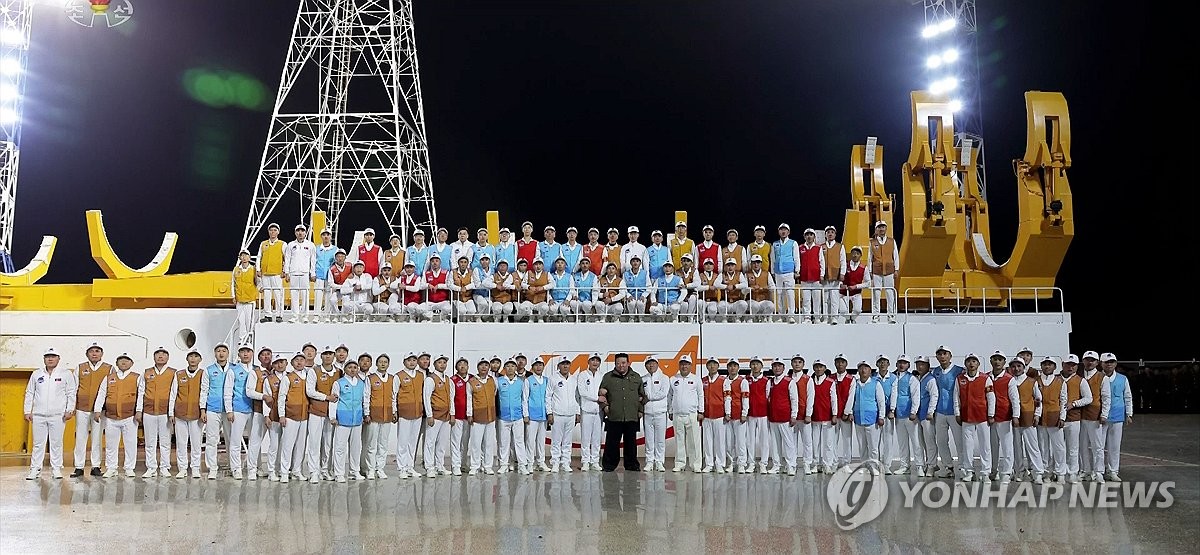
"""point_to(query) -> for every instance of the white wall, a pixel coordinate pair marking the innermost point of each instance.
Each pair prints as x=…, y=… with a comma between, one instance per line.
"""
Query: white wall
x=811, y=341
x=391, y=338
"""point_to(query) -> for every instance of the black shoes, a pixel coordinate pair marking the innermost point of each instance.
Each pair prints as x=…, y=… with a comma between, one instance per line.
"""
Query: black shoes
x=96, y=471
x=77, y=473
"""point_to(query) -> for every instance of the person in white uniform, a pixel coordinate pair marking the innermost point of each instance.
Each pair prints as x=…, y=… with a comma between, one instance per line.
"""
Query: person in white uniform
x=831, y=280
x=783, y=426
x=654, y=415
x=513, y=410
x=318, y=444
x=1071, y=430
x=184, y=410
x=1091, y=444
x=714, y=445
x=1051, y=428
x=157, y=382
x=562, y=411
x=88, y=375
x=537, y=419
x=883, y=273
x=588, y=385
x=1024, y=421
x=1120, y=413
x=123, y=414
x=294, y=429
x=868, y=417
x=975, y=435
x=347, y=422
x=684, y=400
x=482, y=449
x=906, y=404
x=300, y=271
x=437, y=431
x=49, y=404
x=212, y=414
x=926, y=457
x=356, y=292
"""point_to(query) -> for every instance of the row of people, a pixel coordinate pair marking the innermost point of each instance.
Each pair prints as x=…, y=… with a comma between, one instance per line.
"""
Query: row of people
x=320, y=414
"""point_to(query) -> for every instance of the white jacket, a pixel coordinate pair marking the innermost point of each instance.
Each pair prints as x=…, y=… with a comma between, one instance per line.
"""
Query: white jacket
x=363, y=295
x=627, y=253
x=562, y=398
x=589, y=391
x=50, y=394
x=658, y=387
x=686, y=395
x=300, y=257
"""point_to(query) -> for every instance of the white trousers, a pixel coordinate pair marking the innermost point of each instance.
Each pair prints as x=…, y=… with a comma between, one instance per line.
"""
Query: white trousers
x=852, y=307
x=323, y=297
x=318, y=444
x=158, y=442
x=761, y=308
x=726, y=308
x=406, y=443
x=527, y=308
x=214, y=427
x=908, y=442
x=436, y=440
x=236, y=439
x=687, y=440
x=275, y=434
x=1071, y=435
x=786, y=292
x=535, y=441
x=358, y=307
x=116, y=432
x=671, y=310
x=877, y=284
x=977, y=441
x=949, y=439
x=187, y=444
x=1052, y=441
x=654, y=427
x=804, y=443
x=391, y=307
x=1031, y=452
x=716, y=452
x=824, y=446
x=377, y=444
x=887, y=440
x=483, y=445
x=430, y=309
x=927, y=456
x=272, y=288
x=1091, y=446
x=464, y=309
x=512, y=438
x=562, y=308
x=783, y=449
x=48, y=429
x=584, y=307
x=483, y=305
x=832, y=298
x=347, y=443
x=845, y=441
x=459, y=434
x=868, y=441
x=635, y=306
x=758, y=434
x=298, y=286
x=1112, y=444
x=245, y=323
x=560, y=440
x=614, y=309
x=741, y=441
x=1002, y=446
x=85, y=429
x=810, y=294
x=589, y=438
x=502, y=309
x=258, y=430
x=292, y=448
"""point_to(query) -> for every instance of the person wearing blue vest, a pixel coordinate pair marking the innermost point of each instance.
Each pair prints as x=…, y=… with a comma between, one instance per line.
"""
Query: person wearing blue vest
x=418, y=252
x=444, y=250
x=571, y=251
x=586, y=289
x=562, y=289
x=483, y=283
x=536, y=391
x=506, y=249
x=1120, y=412
x=669, y=293
x=785, y=263
x=656, y=255
x=241, y=389
x=924, y=457
x=212, y=414
x=512, y=409
x=907, y=398
x=887, y=434
x=323, y=288
x=637, y=281
x=868, y=411
x=549, y=249
x=482, y=248
x=347, y=414
x=947, y=429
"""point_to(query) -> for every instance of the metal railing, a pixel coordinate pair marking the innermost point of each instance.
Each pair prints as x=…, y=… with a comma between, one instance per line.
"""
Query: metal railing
x=970, y=304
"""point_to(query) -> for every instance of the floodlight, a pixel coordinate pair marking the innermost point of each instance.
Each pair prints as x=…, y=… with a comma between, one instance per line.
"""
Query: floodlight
x=946, y=24
x=10, y=66
x=8, y=116
x=950, y=56
x=12, y=36
x=933, y=61
x=956, y=105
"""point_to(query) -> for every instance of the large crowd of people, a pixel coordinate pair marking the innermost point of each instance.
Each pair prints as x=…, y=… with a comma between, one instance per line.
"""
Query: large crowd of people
x=526, y=279
x=321, y=415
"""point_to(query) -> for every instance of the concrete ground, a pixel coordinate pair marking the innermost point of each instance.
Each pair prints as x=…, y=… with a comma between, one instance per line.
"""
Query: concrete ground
x=585, y=513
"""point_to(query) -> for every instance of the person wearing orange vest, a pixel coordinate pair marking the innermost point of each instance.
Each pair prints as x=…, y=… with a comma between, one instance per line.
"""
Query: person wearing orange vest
x=481, y=416
x=883, y=265
x=734, y=289
x=762, y=290
x=708, y=294
x=739, y=411
x=120, y=400
x=812, y=269
x=783, y=403
x=89, y=375
x=758, y=434
x=347, y=415
x=410, y=406
x=975, y=411
x=385, y=295
x=735, y=251
x=382, y=386
x=835, y=272
x=853, y=282
x=681, y=245
x=184, y=412
x=339, y=272
x=1052, y=426
x=593, y=251
x=244, y=289
x=717, y=405
x=157, y=382
x=438, y=395
x=271, y=387
x=49, y=404
x=462, y=283
x=1026, y=399
x=1001, y=433
x=1094, y=418
x=804, y=428
x=268, y=266
x=843, y=382
x=1079, y=395
x=320, y=388
x=293, y=418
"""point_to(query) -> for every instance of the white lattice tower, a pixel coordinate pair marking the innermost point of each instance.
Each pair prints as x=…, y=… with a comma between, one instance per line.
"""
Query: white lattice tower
x=968, y=122
x=369, y=147
x=15, y=18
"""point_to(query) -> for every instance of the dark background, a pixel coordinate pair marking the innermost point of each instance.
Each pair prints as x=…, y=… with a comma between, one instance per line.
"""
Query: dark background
x=618, y=113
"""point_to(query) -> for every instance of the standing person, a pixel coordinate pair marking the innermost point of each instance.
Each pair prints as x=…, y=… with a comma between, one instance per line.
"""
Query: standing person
x=869, y=407
x=735, y=251
x=268, y=266
x=459, y=427
x=510, y=394
x=410, y=392
x=657, y=254
x=612, y=249
x=883, y=264
x=49, y=404
x=325, y=255
x=680, y=244
x=418, y=254
x=369, y=253
x=562, y=408
x=273, y=384
x=549, y=249
x=240, y=380
x=1052, y=427
x=887, y=433
x=1026, y=355
x=684, y=401
x=157, y=383
x=1079, y=395
x=622, y=396
x=256, y=390
x=717, y=401
x=655, y=421
x=805, y=391
x=461, y=247
x=1094, y=417
x=212, y=414
x=593, y=252
x=481, y=415
x=834, y=274
x=438, y=394
x=949, y=431
x=481, y=248
x=760, y=246
x=612, y=293
x=299, y=271
x=785, y=261
x=506, y=249
x=120, y=399
x=853, y=283
x=588, y=386
x=381, y=425
x=632, y=249
x=1001, y=433
x=783, y=403
x=975, y=411
x=1026, y=399
x=926, y=418
x=537, y=391
x=184, y=410
x=739, y=415
x=89, y=375
x=1120, y=413
x=293, y=417
x=527, y=246
x=356, y=292
x=347, y=414
x=321, y=388
x=843, y=382
x=571, y=251
x=907, y=415
x=244, y=289
x=709, y=250
x=758, y=433
x=812, y=270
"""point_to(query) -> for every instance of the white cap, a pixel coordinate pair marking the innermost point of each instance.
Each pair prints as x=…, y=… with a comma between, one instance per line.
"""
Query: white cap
x=785, y=226
x=810, y=230
x=1025, y=350
x=505, y=230
x=797, y=356
x=655, y=232
x=591, y=229
x=538, y=260
x=243, y=251
x=830, y=228
x=1054, y=362
x=300, y=226
x=394, y=236
x=95, y=345
x=483, y=229
x=970, y=356
x=241, y=347
x=433, y=255
x=881, y=223
x=613, y=230
x=634, y=256
x=882, y=357
x=686, y=358
x=278, y=357
x=712, y=359
x=731, y=260
x=298, y=354
x=164, y=349
x=632, y=229
x=923, y=358
x=520, y=355
x=651, y=357
x=1000, y=354
x=340, y=251
x=818, y=362
x=902, y=358
x=1107, y=357
x=272, y=225
x=1091, y=354
x=221, y=344
x=596, y=355
x=732, y=360
x=755, y=357
x=369, y=230
x=419, y=231
x=561, y=360
x=681, y=223
x=197, y=352
x=862, y=363
x=326, y=232
x=1070, y=358
x=841, y=356
x=686, y=256
x=708, y=227
x=327, y=349
x=50, y=352
x=760, y=227
x=483, y=360
x=423, y=353
x=549, y=228
x=407, y=263
x=572, y=228
x=1017, y=360
x=387, y=266
x=410, y=354
x=943, y=348
x=125, y=355
x=756, y=258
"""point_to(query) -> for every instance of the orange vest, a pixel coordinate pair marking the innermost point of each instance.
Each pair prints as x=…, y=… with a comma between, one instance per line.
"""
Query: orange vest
x=1092, y=412
x=120, y=401
x=1028, y=403
x=609, y=288
x=1074, y=393
x=833, y=260
x=89, y=384
x=260, y=378
x=462, y=281
x=534, y=280
x=381, y=397
x=483, y=400
x=273, y=407
x=410, y=400
x=759, y=286
x=714, y=397
x=737, y=397
x=395, y=260
x=296, y=407
x=882, y=258
x=387, y=291
x=613, y=254
x=324, y=385
x=595, y=255
x=244, y=288
x=734, y=253
x=501, y=295
x=187, y=395
x=735, y=294
x=710, y=294
x=801, y=394
x=1050, y=405
x=439, y=399
x=157, y=396
x=972, y=398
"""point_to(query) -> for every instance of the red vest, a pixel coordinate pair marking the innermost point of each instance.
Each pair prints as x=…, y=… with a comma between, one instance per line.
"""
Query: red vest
x=340, y=274
x=527, y=251
x=735, y=403
x=596, y=256
x=370, y=258
x=460, y=396
x=410, y=297
x=1003, y=405
x=843, y=392
x=779, y=406
x=972, y=398
x=758, y=397
x=714, y=397
x=853, y=277
x=822, y=410
x=801, y=394
x=810, y=262
x=712, y=252
x=437, y=295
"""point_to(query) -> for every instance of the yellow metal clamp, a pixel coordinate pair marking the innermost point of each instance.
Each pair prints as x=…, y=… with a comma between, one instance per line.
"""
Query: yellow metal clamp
x=37, y=267
x=114, y=268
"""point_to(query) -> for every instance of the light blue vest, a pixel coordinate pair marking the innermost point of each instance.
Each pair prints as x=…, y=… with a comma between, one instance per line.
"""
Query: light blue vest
x=887, y=388
x=656, y=256
x=562, y=286
x=479, y=252
x=508, y=254
x=782, y=259
x=866, y=412
x=511, y=395
x=584, y=281
x=549, y=252
x=216, y=388
x=325, y=260
x=419, y=257
x=946, y=387
x=903, y=399
x=537, y=398
x=668, y=288
x=1116, y=405
x=350, y=400
x=571, y=255
x=446, y=252
x=241, y=401
x=636, y=285
x=480, y=275
x=923, y=408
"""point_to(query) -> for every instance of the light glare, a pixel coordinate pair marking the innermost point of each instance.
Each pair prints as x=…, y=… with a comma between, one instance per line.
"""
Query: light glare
x=7, y=92
x=8, y=116
x=956, y=105
x=11, y=35
x=933, y=61
x=929, y=31
x=946, y=24
x=950, y=56
x=10, y=66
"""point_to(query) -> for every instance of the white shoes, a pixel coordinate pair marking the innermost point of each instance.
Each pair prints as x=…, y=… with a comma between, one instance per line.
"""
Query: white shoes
x=1112, y=476
x=741, y=469
x=791, y=471
x=596, y=466
x=774, y=470
x=284, y=478
x=56, y=473
x=212, y=475
x=659, y=467
x=314, y=479
x=33, y=475
x=252, y=476
x=130, y=474
x=457, y=471
x=112, y=473
x=503, y=469
x=195, y=473
x=489, y=471
x=359, y=477
x=720, y=470
x=544, y=468
x=431, y=474
x=472, y=472
x=181, y=474
x=341, y=479
x=706, y=470
x=528, y=470
x=380, y=475
x=944, y=473
x=150, y=474
x=968, y=476
x=237, y=474
x=1074, y=479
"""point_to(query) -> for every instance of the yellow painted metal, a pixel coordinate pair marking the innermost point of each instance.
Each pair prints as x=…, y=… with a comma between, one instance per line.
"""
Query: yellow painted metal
x=204, y=288
x=37, y=267
x=869, y=201
x=493, y=226
x=53, y=298
x=681, y=216
x=102, y=252
x=14, y=431
x=318, y=225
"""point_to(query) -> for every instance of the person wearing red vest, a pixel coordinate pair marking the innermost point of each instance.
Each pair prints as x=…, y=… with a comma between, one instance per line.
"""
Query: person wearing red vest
x=843, y=382
x=717, y=404
x=804, y=424
x=527, y=246
x=739, y=411
x=369, y=253
x=782, y=404
x=758, y=436
x=436, y=282
x=824, y=417
x=408, y=285
x=853, y=283
x=1001, y=433
x=812, y=267
x=338, y=272
x=975, y=411
x=459, y=430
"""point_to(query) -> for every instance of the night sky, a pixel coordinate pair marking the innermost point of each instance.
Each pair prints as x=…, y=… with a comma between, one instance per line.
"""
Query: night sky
x=617, y=113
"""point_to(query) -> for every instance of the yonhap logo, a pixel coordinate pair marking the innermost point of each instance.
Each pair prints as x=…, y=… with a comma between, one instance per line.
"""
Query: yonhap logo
x=857, y=494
